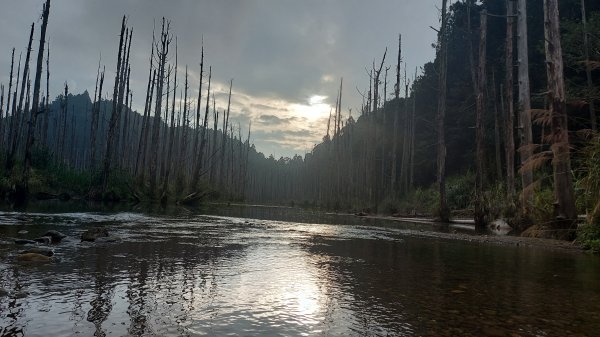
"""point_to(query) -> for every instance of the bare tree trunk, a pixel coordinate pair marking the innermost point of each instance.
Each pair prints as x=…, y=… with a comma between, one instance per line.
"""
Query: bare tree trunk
x=5, y=126
x=112, y=128
x=184, y=139
x=497, y=141
x=509, y=139
x=479, y=135
x=224, y=139
x=443, y=213
x=63, y=127
x=588, y=67
x=563, y=184
x=19, y=115
x=525, y=133
x=413, y=125
x=198, y=155
x=139, y=163
x=171, y=133
x=394, y=175
x=165, y=40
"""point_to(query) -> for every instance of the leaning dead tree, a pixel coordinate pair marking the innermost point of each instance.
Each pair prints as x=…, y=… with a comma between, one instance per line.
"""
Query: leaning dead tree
x=116, y=108
x=36, y=97
x=18, y=113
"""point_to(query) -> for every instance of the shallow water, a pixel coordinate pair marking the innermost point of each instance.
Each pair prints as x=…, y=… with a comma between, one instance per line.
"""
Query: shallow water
x=252, y=271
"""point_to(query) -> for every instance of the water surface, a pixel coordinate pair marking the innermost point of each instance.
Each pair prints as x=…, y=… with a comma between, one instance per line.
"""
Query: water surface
x=252, y=271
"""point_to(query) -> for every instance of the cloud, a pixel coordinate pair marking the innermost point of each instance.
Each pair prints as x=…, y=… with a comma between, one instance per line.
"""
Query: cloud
x=280, y=53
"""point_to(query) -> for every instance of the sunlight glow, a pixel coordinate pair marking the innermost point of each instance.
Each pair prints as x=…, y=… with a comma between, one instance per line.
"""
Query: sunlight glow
x=315, y=109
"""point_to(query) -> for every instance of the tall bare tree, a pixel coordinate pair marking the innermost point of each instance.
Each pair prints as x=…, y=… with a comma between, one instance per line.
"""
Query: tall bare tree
x=525, y=133
x=443, y=213
x=509, y=139
x=480, y=111
x=563, y=184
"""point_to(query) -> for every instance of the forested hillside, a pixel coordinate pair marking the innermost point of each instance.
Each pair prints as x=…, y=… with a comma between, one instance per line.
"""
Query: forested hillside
x=387, y=160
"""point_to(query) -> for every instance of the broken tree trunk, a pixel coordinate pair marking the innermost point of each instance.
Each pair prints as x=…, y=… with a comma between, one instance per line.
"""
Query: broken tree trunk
x=36, y=98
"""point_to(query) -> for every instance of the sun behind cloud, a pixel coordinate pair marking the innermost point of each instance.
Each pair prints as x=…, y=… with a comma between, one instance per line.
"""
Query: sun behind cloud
x=315, y=109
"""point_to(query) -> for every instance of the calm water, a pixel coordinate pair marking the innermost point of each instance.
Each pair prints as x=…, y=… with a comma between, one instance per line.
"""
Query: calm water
x=280, y=272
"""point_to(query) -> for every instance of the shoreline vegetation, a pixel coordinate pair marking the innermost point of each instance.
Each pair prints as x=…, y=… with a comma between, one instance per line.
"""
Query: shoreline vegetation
x=501, y=125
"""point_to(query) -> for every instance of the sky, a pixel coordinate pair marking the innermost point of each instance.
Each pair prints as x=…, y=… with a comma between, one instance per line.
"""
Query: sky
x=286, y=57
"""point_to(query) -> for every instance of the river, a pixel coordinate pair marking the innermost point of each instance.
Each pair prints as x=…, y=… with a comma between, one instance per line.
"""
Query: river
x=256, y=271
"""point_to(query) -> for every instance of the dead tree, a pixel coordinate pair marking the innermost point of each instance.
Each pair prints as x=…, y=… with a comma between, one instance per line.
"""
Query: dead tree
x=198, y=155
x=18, y=114
x=443, y=213
x=224, y=139
x=6, y=127
x=183, y=152
x=564, y=196
x=112, y=127
x=509, y=140
x=36, y=97
x=497, y=130
x=588, y=67
x=139, y=163
x=479, y=136
x=525, y=133
x=172, y=131
x=394, y=175
x=163, y=51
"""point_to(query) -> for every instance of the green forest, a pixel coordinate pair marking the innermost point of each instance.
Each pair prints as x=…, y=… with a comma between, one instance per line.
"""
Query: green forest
x=501, y=125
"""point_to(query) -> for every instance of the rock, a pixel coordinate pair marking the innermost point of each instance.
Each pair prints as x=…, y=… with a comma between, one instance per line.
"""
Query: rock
x=44, y=240
x=21, y=294
x=33, y=257
x=108, y=239
x=22, y=232
x=24, y=242
x=94, y=233
x=56, y=236
x=3, y=292
x=361, y=214
x=39, y=250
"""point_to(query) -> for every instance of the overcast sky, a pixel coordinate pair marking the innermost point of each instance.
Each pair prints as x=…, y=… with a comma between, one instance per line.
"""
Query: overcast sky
x=286, y=56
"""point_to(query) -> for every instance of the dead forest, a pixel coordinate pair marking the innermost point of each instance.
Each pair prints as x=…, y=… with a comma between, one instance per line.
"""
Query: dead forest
x=500, y=124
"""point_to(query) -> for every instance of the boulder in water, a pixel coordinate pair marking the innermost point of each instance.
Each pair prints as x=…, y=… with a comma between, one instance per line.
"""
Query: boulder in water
x=108, y=239
x=33, y=257
x=44, y=240
x=3, y=292
x=22, y=232
x=94, y=233
x=56, y=236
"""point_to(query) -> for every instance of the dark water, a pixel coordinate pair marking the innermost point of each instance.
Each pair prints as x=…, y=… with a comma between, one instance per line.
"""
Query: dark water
x=291, y=273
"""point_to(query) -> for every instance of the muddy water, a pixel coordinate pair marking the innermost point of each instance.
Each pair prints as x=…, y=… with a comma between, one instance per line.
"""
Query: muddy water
x=279, y=272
